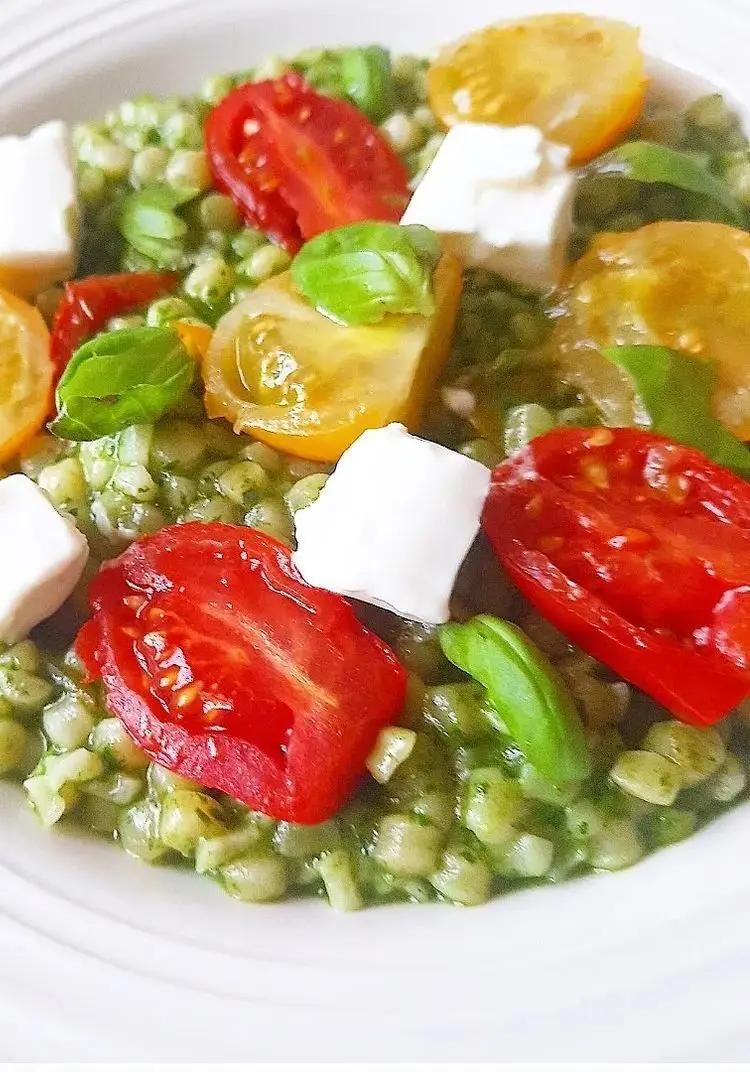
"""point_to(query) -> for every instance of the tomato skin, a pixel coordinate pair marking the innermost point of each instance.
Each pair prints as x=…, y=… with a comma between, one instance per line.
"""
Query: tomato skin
x=684, y=284
x=577, y=77
x=638, y=549
x=348, y=379
x=26, y=374
x=233, y=154
x=225, y=667
x=298, y=163
x=87, y=304
x=195, y=337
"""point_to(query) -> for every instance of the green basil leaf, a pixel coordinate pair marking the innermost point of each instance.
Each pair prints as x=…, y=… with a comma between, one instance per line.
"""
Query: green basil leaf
x=529, y=694
x=367, y=80
x=149, y=222
x=359, y=273
x=120, y=378
x=676, y=391
x=646, y=161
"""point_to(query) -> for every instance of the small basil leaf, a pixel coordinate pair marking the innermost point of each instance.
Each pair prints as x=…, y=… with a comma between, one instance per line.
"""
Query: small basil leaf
x=425, y=242
x=676, y=391
x=149, y=222
x=367, y=80
x=118, y=379
x=529, y=694
x=645, y=161
x=359, y=273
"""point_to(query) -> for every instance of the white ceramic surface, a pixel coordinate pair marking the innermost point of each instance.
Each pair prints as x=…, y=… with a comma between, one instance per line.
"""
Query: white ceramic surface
x=103, y=958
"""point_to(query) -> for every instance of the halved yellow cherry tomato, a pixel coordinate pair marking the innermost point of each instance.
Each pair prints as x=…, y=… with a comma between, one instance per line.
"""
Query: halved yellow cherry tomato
x=685, y=285
x=25, y=373
x=195, y=336
x=578, y=78
x=281, y=371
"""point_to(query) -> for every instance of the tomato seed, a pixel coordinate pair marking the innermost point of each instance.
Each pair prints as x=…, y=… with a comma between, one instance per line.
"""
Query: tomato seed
x=691, y=342
x=187, y=695
x=677, y=488
x=602, y=437
x=637, y=536
x=550, y=543
x=630, y=536
x=595, y=472
x=534, y=506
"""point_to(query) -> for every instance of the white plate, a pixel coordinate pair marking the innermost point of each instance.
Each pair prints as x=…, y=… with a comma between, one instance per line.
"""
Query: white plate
x=103, y=958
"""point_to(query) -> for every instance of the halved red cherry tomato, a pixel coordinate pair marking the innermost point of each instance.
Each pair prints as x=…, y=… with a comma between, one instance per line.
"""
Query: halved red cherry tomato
x=224, y=666
x=638, y=549
x=298, y=163
x=87, y=304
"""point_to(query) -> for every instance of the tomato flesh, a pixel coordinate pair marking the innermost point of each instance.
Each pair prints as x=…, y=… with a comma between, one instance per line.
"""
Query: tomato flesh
x=638, y=549
x=243, y=165
x=224, y=666
x=281, y=371
x=26, y=373
x=579, y=78
x=87, y=305
x=298, y=163
x=683, y=284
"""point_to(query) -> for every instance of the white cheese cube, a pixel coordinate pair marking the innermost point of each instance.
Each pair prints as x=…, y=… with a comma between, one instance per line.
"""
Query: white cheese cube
x=39, y=221
x=42, y=556
x=393, y=524
x=523, y=234
x=501, y=198
x=472, y=156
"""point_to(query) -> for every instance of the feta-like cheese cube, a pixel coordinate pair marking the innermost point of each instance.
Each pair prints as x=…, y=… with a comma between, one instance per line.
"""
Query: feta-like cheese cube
x=502, y=199
x=393, y=524
x=41, y=560
x=472, y=156
x=523, y=234
x=39, y=221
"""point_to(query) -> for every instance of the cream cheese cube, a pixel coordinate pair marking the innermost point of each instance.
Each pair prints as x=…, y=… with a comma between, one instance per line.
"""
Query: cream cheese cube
x=393, y=524
x=40, y=217
x=41, y=560
x=502, y=199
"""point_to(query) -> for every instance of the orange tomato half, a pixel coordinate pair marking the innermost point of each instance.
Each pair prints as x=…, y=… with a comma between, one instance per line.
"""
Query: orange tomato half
x=578, y=78
x=195, y=336
x=25, y=373
x=685, y=285
x=284, y=373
